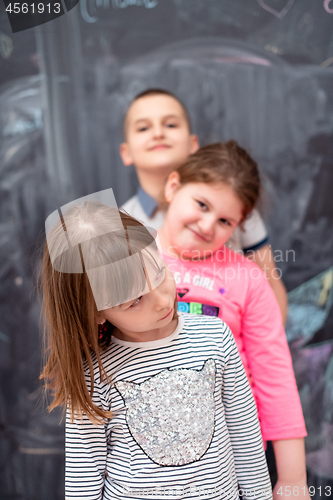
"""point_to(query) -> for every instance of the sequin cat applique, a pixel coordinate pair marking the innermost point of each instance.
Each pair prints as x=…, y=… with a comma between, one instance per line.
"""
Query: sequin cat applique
x=171, y=415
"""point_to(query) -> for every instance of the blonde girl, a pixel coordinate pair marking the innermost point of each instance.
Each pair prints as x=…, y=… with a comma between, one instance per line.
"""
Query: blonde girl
x=158, y=404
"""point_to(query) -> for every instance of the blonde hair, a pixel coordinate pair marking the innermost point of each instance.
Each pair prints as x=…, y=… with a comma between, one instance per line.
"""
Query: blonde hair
x=71, y=332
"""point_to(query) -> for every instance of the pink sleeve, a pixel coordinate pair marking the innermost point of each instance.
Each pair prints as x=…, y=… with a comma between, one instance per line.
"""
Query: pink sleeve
x=269, y=359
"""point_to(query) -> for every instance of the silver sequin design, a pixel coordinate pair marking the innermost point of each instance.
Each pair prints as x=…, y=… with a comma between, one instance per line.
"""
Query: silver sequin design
x=171, y=415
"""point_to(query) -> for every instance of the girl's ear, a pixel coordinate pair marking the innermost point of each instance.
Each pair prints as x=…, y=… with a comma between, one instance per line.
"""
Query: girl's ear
x=172, y=185
x=101, y=318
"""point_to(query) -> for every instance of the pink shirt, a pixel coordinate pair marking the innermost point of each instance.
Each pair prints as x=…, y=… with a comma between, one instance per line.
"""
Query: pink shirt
x=231, y=287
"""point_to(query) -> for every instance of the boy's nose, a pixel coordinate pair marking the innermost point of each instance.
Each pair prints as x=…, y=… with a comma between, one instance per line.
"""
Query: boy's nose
x=158, y=130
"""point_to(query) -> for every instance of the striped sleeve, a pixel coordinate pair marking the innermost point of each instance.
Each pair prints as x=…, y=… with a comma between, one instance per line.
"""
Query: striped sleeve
x=86, y=451
x=243, y=426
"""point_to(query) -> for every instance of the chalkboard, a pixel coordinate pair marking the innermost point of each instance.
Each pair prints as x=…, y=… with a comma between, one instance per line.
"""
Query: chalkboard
x=258, y=71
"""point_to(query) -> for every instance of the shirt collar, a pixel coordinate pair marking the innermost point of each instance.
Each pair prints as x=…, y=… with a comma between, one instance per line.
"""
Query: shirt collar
x=148, y=203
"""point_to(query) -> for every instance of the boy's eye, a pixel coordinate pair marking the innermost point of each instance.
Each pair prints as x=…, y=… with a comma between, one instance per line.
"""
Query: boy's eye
x=171, y=125
x=143, y=128
x=136, y=301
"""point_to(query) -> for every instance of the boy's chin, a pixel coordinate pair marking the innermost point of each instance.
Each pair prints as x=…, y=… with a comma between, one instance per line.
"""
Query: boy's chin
x=158, y=165
x=162, y=159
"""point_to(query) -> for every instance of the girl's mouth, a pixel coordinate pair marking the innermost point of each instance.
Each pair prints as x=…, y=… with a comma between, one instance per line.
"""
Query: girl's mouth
x=167, y=314
x=198, y=235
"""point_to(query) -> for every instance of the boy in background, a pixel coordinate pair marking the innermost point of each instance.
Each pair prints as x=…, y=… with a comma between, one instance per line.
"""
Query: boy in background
x=158, y=139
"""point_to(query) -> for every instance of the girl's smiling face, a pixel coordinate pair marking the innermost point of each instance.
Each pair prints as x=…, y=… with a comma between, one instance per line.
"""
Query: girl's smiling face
x=200, y=218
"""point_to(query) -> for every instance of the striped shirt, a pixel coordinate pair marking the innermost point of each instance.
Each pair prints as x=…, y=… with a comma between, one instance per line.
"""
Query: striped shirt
x=185, y=423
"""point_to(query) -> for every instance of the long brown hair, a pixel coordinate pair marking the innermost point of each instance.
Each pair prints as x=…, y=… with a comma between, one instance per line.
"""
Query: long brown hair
x=71, y=338
x=226, y=163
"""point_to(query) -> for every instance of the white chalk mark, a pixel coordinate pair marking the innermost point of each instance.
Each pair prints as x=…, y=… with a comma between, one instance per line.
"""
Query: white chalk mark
x=40, y=451
x=4, y=338
x=327, y=6
x=6, y=46
x=279, y=14
x=327, y=62
x=18, y=281
x=248, y=60
x=85, y=14
x=273, y=49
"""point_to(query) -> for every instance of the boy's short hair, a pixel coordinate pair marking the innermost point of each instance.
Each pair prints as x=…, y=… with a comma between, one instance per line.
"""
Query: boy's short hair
x=157, y=91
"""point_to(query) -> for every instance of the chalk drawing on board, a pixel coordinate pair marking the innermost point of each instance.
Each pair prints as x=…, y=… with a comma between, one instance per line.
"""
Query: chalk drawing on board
x=6, y=46
x=309, y=306
x=4, y=338
x=91, y=6
x=306, y=24
x=327, y=62
x=244, y=59
x=327, y=6
x=279, y=14
x=273, y=49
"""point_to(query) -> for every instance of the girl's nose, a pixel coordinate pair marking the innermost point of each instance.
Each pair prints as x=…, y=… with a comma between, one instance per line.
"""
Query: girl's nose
x=207, y=224
x=162, y=300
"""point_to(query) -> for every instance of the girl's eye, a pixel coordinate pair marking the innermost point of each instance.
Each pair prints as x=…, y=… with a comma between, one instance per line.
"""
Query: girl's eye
x=225, y=221
x=202, y=205
x=136, y=301
x=171, y=125
x=142, y=129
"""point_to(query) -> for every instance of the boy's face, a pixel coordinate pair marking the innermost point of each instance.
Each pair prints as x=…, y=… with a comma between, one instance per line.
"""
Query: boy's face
x=157, y=134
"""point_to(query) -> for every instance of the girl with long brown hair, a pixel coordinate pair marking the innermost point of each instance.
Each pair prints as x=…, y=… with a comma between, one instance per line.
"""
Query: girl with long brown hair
x=156, y=402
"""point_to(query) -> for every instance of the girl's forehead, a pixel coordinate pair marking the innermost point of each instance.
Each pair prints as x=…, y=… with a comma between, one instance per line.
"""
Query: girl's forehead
x=155, y=276
x=208, y=186
x=127, y=279
x=215, y=189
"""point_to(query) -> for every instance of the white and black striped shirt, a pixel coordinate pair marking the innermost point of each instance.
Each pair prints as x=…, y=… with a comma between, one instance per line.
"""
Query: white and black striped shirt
x=185, y=423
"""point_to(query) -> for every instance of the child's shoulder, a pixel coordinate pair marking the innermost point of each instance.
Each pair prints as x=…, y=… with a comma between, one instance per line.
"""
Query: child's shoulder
x=207, y=330
x=196, y=322
x=231, y=259
x=229, y=256
x=131, y=204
